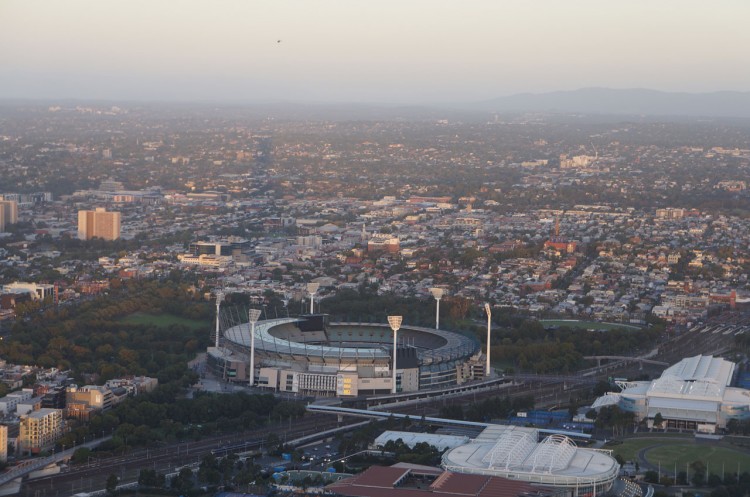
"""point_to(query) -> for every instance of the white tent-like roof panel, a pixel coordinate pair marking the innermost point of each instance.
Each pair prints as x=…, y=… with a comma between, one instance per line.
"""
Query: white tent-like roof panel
x=700, y=377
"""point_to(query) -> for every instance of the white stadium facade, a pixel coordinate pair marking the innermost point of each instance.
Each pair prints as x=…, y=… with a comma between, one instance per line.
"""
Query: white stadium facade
x=524, y=454
x=310, y=356
x=694, y=394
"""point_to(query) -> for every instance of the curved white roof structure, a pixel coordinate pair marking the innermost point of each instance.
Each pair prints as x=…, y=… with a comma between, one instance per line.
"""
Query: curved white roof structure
x=610, y=399
x=512, y=448
x=516, y=452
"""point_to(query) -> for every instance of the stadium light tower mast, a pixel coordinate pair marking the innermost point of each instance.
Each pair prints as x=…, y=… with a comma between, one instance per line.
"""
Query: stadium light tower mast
x=489, y=327
x=438, y=294
x=395, y=324
x=219, y=298
x=311, y=289
x=253, y=315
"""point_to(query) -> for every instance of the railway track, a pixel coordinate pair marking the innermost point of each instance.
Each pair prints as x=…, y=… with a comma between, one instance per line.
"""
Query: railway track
x=168, y=459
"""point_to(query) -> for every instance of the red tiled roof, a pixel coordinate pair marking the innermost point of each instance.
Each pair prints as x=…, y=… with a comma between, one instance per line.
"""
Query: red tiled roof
x=379, y=481
x=381, y=476
x=459, y=484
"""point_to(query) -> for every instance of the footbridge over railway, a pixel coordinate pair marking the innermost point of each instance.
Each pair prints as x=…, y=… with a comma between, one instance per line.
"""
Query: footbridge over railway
x=365, y=413
x=625, y=359
x=25, y=467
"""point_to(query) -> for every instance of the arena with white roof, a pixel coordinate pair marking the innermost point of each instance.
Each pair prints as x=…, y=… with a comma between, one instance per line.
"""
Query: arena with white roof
x=520, y=453
x=693, y=394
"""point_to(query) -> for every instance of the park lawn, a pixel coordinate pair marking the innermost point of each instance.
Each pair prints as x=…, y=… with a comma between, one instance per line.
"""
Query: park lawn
x=586, y=325
x=163, y=320
x=503, y=365
x=715, y=457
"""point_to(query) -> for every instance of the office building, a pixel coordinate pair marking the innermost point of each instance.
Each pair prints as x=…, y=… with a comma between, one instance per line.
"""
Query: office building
x=98, y=224
x=37, y=291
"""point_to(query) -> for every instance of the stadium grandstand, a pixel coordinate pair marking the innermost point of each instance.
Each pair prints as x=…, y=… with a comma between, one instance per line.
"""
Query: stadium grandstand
x=311, y=356
x=525, y=454
x=694, y=394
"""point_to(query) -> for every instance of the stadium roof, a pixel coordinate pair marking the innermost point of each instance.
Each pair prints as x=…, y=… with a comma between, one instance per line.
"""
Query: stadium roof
x=699, y=377
x=455, y=345
x=240, y=335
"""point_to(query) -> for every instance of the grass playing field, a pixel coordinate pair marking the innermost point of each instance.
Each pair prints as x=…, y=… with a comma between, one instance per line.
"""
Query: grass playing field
x=586, y=325
x=163, y=320
x=668, y=452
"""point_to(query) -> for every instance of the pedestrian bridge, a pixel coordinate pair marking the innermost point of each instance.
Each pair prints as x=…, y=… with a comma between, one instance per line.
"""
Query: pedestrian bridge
x=640, y=360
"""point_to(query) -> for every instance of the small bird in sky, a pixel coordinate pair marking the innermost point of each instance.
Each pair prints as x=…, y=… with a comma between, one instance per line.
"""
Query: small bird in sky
x=278, y=41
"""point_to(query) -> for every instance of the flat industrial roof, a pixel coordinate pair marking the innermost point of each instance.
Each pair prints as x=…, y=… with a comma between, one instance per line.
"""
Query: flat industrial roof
x=440, y=442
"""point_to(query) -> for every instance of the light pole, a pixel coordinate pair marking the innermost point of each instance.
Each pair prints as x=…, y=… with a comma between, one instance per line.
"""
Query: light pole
x=438, y=294
x=253, y=315
x=395, y=324
x=219, y=298
x=489, y=327
x=311, y=289
x=287, y=298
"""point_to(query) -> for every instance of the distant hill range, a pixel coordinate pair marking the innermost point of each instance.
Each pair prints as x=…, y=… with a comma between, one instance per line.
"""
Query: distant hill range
x=635, y=102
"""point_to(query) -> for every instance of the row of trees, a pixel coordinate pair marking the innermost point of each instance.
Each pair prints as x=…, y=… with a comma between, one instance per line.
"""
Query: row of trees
x=728, y=484
x=227, y=471
x=488, y=409
x=531, y=347
x=522, y=342
x=421, y=453
x=165, y=416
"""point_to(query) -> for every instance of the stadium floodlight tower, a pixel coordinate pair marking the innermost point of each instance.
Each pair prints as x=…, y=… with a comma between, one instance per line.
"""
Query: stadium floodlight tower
x=253, y=315
x=219, y=298
x=438, y=294
x=395, y=324
x=311, y=289
x=489, y=327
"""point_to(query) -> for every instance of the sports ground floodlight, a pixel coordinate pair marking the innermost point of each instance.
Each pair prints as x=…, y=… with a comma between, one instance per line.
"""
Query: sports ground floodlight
x=438, y=294
x=311, y=289
x=219, y=298
x=395, y=323
x=488, y=310
x=253, y=315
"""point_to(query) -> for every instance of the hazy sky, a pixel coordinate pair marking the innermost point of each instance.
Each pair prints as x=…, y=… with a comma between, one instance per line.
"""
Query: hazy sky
x=400, y=51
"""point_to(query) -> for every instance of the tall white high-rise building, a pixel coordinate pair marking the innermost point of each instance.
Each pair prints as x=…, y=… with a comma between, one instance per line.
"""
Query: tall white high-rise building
x=3, y=443
x=8, y=213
